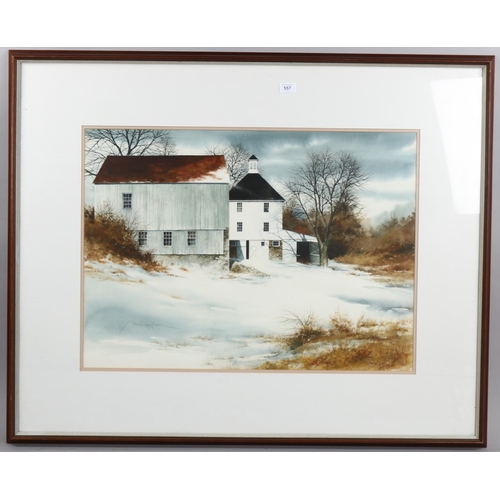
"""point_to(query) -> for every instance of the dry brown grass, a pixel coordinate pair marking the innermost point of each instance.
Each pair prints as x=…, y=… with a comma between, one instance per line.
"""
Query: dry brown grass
x=364, y=345
x=109, y=237
x=109, y=274
x=399, y=267
x=237, y=268
x=389, y=252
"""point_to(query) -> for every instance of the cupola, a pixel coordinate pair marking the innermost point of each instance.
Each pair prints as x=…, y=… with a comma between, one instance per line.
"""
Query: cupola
x=253, y=163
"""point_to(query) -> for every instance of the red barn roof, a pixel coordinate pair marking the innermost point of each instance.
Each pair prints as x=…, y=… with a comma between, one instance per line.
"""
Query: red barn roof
x=162, y=169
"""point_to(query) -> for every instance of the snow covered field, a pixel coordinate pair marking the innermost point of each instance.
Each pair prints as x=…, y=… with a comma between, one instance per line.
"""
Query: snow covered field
x=200, y=318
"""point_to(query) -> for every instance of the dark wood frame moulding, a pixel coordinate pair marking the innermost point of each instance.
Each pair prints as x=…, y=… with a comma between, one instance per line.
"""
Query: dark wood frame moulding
x=487, y=61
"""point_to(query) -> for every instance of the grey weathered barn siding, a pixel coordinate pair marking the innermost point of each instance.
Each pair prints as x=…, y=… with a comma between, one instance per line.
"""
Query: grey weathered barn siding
x=169, y=207
x=207, y=243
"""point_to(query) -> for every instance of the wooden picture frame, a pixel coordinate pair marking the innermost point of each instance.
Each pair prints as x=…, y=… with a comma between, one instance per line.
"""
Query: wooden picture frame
x=54, y=96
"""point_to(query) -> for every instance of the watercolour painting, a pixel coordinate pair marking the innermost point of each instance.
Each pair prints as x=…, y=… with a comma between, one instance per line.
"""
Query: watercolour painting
x=251, y=249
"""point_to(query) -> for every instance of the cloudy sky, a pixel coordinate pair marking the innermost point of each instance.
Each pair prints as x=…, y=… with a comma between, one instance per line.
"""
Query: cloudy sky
x=389, y=158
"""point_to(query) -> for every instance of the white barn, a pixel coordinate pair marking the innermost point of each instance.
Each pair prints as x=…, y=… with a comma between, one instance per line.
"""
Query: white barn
x=178, y=203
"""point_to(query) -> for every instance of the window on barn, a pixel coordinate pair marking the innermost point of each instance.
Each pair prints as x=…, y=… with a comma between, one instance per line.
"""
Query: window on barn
x=266, y=207
x=127, y=200
x=239, y=207
x=266, y=226
x=191, y=238
x=239, y=226
x=167, y=238
x=143, y=238
x=262, y=243
x=276, y=243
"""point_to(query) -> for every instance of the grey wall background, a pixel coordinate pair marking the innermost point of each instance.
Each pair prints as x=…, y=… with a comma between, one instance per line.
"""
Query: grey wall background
x=494, y=370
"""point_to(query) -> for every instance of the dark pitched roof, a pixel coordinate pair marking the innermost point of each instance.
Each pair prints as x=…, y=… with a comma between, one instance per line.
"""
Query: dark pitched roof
x=162, y=169
x=253, y=187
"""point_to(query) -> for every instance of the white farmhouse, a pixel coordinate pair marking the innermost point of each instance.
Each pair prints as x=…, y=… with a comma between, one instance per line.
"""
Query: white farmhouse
x=256, y=223
x=255, y=217
x=179, y=204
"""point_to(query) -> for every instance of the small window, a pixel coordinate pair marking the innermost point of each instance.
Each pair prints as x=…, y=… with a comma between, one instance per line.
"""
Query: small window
x=143, y=238
x=127, y=200
x=232, y=243
x=262, y=243
x=239, y=207
x=167, y=238
x=266, y=226
x=276, y=243
x=266, y=207
x=239, y=227
x=191, y=238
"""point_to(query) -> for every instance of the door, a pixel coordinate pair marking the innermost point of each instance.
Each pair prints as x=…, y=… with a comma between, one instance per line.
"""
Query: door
x=303, y=252
x=235, y=251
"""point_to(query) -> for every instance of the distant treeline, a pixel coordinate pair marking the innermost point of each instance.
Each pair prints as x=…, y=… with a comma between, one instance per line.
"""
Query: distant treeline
x=391, y=245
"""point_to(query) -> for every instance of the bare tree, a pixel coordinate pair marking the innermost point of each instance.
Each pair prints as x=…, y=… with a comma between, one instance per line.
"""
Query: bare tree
x=236, y=155
x=103, y=142
x=324, y=186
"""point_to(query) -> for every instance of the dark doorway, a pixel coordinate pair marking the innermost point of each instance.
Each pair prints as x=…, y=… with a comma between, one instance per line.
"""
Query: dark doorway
x=235, y=251
x=303, y=255
x=248, y=249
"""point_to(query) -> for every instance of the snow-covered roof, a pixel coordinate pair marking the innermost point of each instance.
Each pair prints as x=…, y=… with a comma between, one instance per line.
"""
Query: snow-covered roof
x=284, y=234
x=163, y=169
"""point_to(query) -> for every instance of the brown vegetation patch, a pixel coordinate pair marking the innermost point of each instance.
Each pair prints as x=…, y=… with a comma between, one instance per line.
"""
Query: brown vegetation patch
x=398, y=268
x=389, y=252
x=110, y=237
x=365, y=345
x=109, y=274
x=239, y=269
